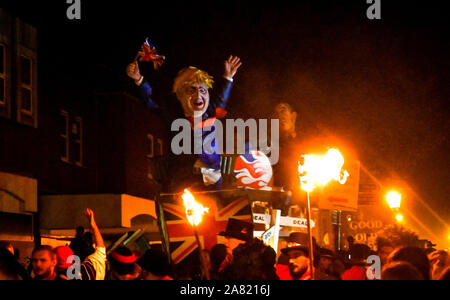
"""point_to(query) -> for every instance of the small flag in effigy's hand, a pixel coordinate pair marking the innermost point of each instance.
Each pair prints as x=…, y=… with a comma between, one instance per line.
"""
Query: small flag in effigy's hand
x=148, y=53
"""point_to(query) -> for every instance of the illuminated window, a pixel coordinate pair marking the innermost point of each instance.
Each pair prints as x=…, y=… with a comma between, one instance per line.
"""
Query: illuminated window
x=2, y=74
x=26, y=85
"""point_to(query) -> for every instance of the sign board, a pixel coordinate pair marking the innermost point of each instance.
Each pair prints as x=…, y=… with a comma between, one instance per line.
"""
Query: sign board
x=284, y=221
x=268, y=235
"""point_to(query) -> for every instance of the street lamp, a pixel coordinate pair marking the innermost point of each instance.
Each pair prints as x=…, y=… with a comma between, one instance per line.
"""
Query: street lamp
x=399, y=218
x=319, y=170
x=394, y=199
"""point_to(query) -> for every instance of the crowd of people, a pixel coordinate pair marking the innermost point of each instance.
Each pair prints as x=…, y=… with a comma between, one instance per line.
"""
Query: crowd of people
x=241, y=257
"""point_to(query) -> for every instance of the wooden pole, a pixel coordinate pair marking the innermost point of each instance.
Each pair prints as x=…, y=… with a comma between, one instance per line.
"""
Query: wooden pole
x=311, y=245
x=202, y=258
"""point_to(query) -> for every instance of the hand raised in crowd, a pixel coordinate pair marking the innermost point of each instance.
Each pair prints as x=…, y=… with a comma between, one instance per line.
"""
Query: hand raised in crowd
x=133, y=71
x=231, y=66
x=89, y=213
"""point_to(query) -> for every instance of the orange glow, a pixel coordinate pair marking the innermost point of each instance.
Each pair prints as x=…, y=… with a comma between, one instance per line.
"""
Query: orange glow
x=320, y=169
x=194, y=210
x=394, y=199
x=399, y=218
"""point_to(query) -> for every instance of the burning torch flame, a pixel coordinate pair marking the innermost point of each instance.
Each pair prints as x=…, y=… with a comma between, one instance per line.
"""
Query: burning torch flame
x=319, y=170
x=194, y=210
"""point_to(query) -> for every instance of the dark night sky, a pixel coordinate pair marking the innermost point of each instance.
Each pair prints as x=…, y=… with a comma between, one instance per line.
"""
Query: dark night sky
x=380, y=87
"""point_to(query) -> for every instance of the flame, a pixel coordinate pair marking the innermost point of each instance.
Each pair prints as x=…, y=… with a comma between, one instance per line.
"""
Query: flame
x=194, y=210
x=320, y=169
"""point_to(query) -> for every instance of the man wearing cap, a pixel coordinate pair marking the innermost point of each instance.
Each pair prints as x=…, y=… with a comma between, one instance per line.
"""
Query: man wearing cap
x=324, y=264
x=122, y=262
x=191, y=87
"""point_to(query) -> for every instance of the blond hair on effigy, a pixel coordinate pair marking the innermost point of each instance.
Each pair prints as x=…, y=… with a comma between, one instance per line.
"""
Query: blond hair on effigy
x=189, y=76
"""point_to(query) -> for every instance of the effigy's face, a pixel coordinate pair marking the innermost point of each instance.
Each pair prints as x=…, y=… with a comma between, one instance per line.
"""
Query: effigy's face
x=195, y=99
x=286, y=117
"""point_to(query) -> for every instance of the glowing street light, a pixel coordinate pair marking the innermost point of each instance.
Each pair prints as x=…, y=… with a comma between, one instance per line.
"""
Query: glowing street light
x=319, y=170
x=394, y=199
x=399, y=218
x=194, y=215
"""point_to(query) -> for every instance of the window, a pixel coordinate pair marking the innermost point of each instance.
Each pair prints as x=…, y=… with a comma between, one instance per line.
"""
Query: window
x=26, y=85
x=71, y=142
x=2, y=75
x=77, y=141
x=64, y=129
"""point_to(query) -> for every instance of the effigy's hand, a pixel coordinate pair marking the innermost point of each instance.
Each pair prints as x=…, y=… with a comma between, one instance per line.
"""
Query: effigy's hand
x=231, y=66
x=133, y=71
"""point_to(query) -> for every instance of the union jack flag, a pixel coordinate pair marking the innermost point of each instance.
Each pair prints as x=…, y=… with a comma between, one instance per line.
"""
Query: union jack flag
x=148, y=53
x=181, y=234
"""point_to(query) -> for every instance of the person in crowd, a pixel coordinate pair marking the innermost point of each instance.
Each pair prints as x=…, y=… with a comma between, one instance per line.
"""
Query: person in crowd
x=236, y=233
x=358, y=254
x=337, y=268
x=44, y=260
x=10, y=269
x=154, y=265
x=294, y=262
x=324, y=264
x=384, y=249
x=445, y=274
x=251, y=261
x=400, y=271
x=8, y=246
x=78, y=244
x=220, y=258
x=93, y=267
x=439, y=261
x=122, y=263
x=415, y=256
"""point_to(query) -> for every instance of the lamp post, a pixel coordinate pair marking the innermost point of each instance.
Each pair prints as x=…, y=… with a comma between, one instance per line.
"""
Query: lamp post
x=316, y=171
x=194, y=214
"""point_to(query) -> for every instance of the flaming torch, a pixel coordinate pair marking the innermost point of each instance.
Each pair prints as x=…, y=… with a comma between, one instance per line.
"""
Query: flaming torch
x=319, y=170
x=194, y=214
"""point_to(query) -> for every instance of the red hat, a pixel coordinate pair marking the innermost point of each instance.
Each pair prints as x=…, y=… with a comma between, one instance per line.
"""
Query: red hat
x=62, y=254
